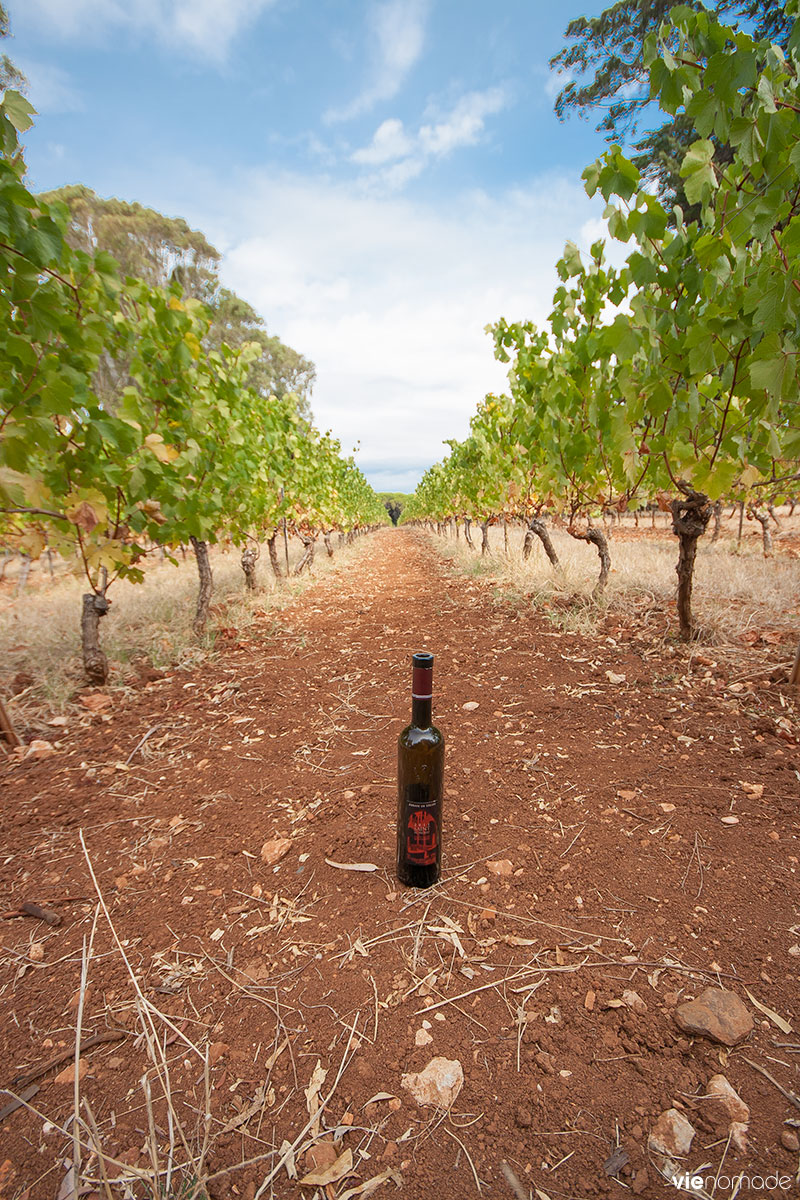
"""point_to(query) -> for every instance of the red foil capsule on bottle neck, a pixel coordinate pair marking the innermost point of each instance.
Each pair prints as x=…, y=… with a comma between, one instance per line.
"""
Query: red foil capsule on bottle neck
x=422, y=683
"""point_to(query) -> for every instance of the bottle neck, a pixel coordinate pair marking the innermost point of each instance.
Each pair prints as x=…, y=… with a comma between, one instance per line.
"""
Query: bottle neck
x=421, y=712
x=421, y=696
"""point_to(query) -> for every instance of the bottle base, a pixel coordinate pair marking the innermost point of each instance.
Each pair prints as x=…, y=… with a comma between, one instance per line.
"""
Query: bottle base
x=419, y=877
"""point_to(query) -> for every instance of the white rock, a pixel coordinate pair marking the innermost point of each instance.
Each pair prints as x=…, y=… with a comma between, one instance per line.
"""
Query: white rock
x=734, y=1107
x=738, y=1131
x=672, y=1135
x=470, y=706
x=274, y=850
x=422, y=1038
x=40, y=749
x=438, y=1084
x=731, y=1101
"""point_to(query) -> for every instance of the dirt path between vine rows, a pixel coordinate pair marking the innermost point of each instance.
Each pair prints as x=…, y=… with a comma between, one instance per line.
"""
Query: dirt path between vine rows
x=594, y=880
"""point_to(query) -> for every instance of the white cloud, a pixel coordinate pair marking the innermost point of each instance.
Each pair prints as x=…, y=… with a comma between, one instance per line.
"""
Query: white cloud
x=594, y=230
x=389, y=141
x=397, y=36
x=388, y=296
x=395, y=178
x=462, y=126
x=204, y=28
x=51, y=90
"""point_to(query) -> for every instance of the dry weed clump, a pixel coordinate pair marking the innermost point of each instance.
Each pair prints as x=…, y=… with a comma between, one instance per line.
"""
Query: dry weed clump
x=180, y=1128
x=736, y=591
x=149, y=624
x=174, y=1152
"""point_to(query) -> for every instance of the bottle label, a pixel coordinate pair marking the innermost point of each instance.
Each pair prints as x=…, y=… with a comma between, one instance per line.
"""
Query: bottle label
x=422, y=838
x=422, y=683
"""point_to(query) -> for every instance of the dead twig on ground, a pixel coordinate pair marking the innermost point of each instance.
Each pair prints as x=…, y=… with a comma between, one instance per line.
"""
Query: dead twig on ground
x=455, y=1138
x=572, y=843
x=792, y=1097
x=18, y=1101
x=99, y=1039
x=29, y=909
x=695, y=854
x=76, y=1084
x=483, y=988
x=141, y=742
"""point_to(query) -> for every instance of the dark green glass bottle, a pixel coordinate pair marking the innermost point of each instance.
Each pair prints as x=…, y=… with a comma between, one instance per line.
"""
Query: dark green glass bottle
x=420, y=777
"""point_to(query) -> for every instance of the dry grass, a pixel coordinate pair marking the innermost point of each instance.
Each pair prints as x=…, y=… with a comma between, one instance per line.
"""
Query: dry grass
x=181, y=1123
x=736, y=589
x=149, y=623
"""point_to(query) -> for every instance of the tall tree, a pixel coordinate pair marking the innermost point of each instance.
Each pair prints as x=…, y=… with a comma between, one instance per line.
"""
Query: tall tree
x=279, y=370
x=10, y=75
x=146, y=244
x=164, y=250
x=604, y=65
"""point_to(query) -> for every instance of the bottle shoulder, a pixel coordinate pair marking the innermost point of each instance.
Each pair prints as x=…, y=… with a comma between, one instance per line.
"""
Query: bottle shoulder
x=412, y=735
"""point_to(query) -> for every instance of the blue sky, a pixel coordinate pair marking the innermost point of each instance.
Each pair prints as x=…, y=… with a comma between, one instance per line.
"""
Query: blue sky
x=383, y=177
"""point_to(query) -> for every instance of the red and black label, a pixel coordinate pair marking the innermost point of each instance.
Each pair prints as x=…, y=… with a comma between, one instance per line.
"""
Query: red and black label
x=422, y=833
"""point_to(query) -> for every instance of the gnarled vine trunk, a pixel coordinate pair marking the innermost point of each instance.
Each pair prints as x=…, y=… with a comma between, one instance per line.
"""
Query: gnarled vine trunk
x=206, y=584
x=272, y=549
x=794, y=676
x=484, y=537
x=467, y=534
x=308, y=553
x=717, y=515
x=250, y=556
x=95, y=663
x=537, y=528
x=326, y=537
x=598, y=539
x=690, y=516
x=762, y=516
x=7, y=730
x=24, y=572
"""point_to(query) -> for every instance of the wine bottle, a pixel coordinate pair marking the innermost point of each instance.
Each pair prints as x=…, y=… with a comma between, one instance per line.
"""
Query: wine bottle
x=420, y=774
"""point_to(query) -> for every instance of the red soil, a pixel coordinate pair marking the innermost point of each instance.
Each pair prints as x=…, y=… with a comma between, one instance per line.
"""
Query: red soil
x=601, y=770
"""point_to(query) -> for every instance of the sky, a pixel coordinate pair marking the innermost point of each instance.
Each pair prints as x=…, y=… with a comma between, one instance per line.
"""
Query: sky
x=384, y=178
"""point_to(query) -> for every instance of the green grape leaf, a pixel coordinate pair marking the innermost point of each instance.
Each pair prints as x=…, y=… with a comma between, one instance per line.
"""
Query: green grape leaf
x=19, y=111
